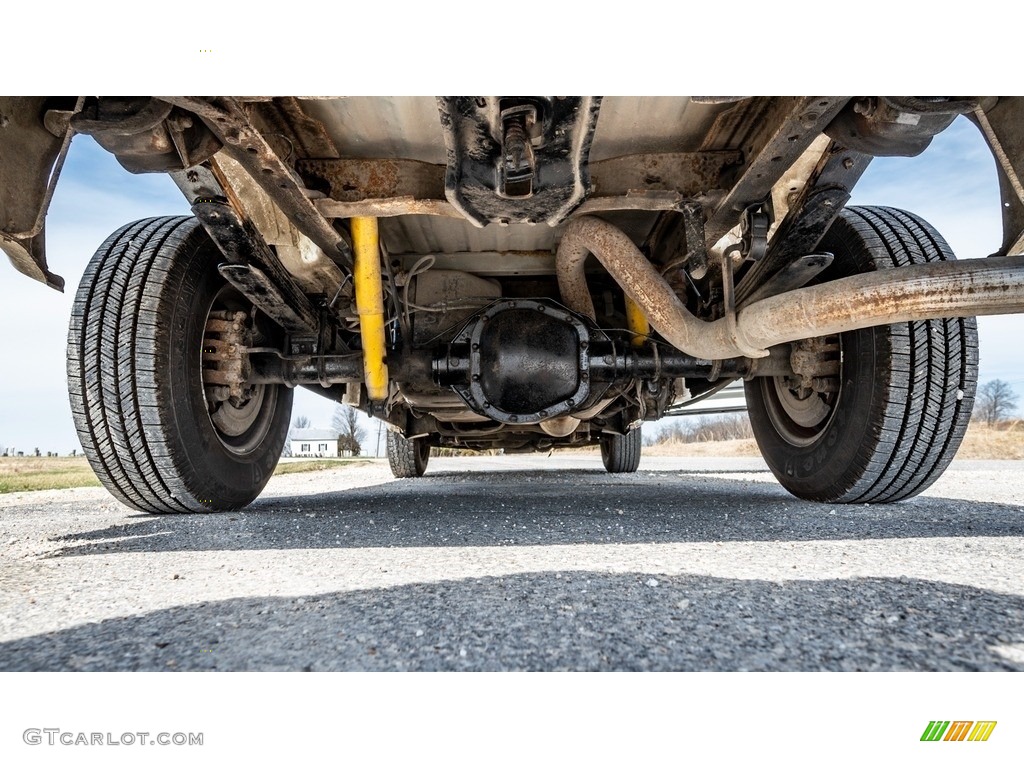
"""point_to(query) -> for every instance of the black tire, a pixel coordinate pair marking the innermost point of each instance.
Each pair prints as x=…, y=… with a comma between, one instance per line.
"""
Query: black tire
x=621, y=453
x=905, y=390
x=135, y=376
x=408, y=458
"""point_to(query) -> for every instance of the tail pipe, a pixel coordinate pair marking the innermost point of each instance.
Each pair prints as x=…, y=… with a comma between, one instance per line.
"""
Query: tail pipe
x=370, y=305
x=918, y=292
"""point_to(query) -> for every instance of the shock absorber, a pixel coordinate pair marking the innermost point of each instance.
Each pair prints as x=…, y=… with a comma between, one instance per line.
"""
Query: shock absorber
x=370, y=305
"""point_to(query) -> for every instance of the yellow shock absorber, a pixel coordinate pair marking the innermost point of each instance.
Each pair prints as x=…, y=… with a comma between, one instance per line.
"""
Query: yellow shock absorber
x=370, y=305
x=637, y=322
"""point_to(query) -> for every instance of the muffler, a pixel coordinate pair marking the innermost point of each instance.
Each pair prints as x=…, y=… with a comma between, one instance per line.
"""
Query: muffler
x=992, y=286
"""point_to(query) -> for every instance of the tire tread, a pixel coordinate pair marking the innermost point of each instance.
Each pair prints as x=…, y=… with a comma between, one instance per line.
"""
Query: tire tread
x=118, y=405
x=404, y=457
x=921, y=405
x=621, y=453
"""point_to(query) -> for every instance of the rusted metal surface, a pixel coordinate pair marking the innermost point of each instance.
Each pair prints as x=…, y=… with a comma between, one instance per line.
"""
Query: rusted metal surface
x=638, y=201
x=408, y=126
x=518, y=167
x=28, y=155
x=816, y=364
x=227, y=118
x=382, y=187
x=240, y=244
x=773, y=134
x=261, y=291
x=200, y=183
x=286, y=116
x=811, y=212
x=695, y=259
x=795, y=275
x=884, y=126
x=351, y=180
x=917, y=292
x=387, y=208
x=305, y=260
x=641, y=282
x=226, y=366
x=1002, y=125
x=316, y=371
x=476, y=134
x=146, y=134
x=691, y=174
x=740, y=123
x=644, y=167
x=677, y=246
x=787, y=189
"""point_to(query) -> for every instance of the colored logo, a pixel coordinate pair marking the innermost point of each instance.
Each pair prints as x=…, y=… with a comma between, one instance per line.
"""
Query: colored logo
x=958, y=730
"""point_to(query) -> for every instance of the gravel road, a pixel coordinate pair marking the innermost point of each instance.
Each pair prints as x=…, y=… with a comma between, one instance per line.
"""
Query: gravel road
x=535, y=563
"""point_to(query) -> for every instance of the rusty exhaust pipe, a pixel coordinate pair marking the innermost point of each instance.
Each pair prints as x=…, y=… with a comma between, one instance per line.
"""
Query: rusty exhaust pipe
x=919, y=292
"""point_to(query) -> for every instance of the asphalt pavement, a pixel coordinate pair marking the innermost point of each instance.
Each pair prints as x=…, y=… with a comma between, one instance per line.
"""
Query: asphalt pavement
x=522, y=563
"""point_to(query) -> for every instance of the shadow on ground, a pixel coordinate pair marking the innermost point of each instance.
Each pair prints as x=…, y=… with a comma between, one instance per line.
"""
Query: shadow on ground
x=544, y=508
x=572, y=621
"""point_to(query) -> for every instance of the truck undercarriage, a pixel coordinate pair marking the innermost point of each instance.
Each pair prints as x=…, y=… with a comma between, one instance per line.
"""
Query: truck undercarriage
x=523, y=273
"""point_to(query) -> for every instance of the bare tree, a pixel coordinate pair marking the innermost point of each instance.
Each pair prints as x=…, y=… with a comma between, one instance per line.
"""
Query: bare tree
x=301, y=422
x=704, y=429
x=346, y=423
x=995, y=401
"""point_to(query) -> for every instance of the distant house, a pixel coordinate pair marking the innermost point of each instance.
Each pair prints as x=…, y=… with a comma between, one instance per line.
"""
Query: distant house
x=317, y=443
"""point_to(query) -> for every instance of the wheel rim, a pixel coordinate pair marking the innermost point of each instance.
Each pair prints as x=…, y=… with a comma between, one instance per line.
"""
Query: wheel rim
x=241, y=421
x=799, y=416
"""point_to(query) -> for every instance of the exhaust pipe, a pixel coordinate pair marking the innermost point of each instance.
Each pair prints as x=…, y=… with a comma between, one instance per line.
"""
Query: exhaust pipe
x=992, y=286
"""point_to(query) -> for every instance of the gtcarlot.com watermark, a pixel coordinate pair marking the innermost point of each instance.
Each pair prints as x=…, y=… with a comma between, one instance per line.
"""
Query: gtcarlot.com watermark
x=55, y=736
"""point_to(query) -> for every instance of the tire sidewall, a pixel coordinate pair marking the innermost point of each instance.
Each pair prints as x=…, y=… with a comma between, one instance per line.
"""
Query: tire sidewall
x=898, y=419
x=222, y=479
x=810, y=471
x=422, y=455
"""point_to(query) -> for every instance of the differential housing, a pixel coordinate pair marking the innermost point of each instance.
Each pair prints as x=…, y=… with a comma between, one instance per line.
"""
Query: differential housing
x=526, y=362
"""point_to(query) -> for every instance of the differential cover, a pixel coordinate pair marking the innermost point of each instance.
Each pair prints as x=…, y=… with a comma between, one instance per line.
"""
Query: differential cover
x=528, y=362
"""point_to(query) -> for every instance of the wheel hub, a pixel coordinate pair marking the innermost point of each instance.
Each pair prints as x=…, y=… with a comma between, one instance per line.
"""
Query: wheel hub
x=801, y=406
x=241, y=413
x=233, y=417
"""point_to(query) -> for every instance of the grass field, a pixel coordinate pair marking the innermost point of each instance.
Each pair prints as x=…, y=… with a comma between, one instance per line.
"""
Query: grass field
x=981, y=442
x=1003, y=442
x=315, y=465
x=45, y=474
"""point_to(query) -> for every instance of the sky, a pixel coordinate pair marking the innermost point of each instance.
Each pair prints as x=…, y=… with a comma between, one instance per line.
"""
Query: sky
x=952, y=185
